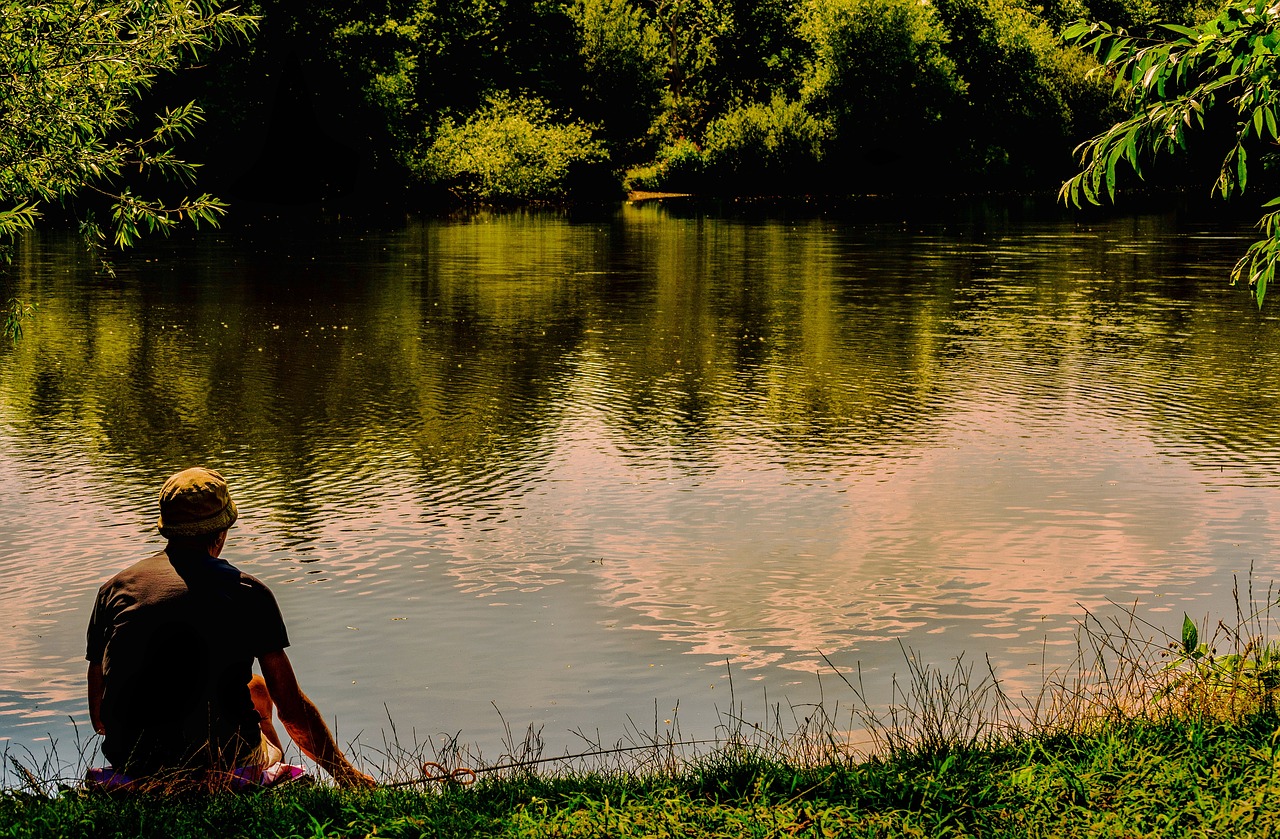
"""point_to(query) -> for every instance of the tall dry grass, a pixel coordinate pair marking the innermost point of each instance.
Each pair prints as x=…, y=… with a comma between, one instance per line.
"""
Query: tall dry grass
x=1125, y=670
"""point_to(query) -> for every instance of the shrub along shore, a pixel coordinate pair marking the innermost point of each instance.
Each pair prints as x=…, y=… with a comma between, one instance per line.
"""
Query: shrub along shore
x=426, y=103
x=1143, y=735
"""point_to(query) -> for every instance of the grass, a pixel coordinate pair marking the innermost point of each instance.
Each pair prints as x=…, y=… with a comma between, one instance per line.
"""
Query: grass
x=1165, y=779
x=1144, y=735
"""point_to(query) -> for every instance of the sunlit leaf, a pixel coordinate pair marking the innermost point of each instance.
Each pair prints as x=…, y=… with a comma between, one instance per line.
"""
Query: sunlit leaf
x=1186, y=31
x=1232, y=54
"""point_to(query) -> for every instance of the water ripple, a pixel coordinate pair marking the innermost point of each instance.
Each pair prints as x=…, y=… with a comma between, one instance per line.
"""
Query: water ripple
x=592, y=461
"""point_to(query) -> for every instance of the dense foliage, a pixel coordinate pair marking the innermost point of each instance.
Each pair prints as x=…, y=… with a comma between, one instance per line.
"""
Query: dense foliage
x=346, y=99
x=1179, y=81
x=71, y=72
x=879, y=72
x=363, y=99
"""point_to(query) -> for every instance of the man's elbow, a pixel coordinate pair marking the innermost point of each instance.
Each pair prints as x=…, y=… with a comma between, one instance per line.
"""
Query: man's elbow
x=282, y=685
x=294, y=709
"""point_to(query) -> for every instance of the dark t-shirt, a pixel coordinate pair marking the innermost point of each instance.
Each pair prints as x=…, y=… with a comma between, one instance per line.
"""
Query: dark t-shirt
x=176, y=637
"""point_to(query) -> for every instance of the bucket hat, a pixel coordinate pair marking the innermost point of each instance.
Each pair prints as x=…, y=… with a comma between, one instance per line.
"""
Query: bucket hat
x=195, y=502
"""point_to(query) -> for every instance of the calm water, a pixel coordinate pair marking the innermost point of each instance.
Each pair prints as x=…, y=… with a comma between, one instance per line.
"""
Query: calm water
x=570, y=468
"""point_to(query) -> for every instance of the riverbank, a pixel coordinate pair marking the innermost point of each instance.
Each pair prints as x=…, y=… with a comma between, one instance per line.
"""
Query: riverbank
x=1147, y=735
x=1169, y=779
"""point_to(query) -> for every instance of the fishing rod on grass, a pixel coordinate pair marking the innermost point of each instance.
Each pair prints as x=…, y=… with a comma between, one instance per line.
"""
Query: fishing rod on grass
x=464, y=776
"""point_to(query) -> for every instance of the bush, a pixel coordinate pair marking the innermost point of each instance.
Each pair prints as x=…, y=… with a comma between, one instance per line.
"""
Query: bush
x=1030, y=97
x=680, y=167
x=765, y=147
x=880, y=74
x=511, y=149
x=623, y=59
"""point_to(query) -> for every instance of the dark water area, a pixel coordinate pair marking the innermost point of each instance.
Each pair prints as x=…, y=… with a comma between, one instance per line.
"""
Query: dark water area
x=582, y=466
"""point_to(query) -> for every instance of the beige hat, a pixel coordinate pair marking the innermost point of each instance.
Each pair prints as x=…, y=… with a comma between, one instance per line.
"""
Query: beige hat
x=195, y=502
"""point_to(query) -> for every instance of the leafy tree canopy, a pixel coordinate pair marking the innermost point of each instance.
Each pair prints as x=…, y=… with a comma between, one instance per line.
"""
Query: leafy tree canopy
x=71, y=72
x=880, y=74
x=1173, y=82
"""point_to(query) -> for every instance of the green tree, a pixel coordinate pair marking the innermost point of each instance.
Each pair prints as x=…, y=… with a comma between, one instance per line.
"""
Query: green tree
x=692, y=32
x=760, y=54
x=71, y=73
x=880, y=75
x=622, y=56
x=1029, y=96
x=412, y=58
x=1175, y=85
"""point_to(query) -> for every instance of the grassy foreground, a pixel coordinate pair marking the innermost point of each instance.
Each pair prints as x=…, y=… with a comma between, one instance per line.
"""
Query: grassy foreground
x=1170, y=779
x=1144, y=736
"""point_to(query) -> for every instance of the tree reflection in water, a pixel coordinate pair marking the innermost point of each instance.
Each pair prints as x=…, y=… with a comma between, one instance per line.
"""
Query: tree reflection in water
x=560, y=451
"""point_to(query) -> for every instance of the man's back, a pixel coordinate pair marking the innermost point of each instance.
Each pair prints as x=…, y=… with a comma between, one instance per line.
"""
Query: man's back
x=171, y=647
x=176, y=635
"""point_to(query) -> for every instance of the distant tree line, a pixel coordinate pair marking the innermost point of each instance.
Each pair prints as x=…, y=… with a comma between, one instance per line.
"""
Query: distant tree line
x=497, y=100
x=412, y=102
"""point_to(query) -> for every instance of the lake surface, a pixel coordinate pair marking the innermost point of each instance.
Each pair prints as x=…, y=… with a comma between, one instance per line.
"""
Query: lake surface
x=581, y=470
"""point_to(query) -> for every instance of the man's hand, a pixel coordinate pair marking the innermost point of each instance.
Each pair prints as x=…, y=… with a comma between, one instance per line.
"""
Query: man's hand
x=353, y=778
x=304, y=723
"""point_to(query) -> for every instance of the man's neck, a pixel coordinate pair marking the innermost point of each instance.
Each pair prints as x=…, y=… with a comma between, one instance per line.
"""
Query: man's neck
x=187, y=551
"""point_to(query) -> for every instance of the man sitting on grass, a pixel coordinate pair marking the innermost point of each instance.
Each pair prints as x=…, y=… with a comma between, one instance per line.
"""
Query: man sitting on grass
x=172, y=641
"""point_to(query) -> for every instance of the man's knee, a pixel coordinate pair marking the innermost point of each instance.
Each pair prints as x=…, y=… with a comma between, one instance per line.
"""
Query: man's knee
x=261, y=696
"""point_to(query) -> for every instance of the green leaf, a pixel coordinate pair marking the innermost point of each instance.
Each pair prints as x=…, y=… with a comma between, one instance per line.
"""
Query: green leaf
x=1131, y=149
x=1193, y=34
x=1113, y=157
x=1114, y=50
x=1077, y=30
x=1190, y=635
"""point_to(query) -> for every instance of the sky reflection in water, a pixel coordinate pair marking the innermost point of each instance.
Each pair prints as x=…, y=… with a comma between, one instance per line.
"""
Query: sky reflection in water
x=569, y=468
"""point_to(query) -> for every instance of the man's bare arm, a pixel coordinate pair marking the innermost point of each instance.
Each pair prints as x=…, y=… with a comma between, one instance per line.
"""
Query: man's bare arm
x=304, y=723
x=95, y=697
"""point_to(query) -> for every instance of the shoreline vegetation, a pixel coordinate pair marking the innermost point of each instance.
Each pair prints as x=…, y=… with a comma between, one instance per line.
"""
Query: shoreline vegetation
x=1143, y=734
x=367, y=106
x=423, y=105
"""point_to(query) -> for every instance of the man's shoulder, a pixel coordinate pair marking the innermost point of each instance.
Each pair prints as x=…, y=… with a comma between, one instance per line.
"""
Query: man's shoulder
x=259, y=602
x=251, y=584
x=157, y=563
x=246, y=579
